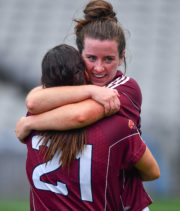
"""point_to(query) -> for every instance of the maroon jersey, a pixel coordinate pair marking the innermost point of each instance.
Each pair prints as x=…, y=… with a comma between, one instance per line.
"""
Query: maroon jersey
x=131, y=100
x=98, y=178
x=130, y=97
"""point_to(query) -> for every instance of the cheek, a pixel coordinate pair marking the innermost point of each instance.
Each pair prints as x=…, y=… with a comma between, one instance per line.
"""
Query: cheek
x=112, y=69
x=88, y=66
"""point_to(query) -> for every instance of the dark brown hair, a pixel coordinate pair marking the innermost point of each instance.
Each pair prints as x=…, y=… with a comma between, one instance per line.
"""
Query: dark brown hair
x=61, y=66
x=65, y=144
x=100, y=22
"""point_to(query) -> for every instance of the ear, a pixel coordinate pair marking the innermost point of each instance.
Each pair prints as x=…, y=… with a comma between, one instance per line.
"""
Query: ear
x=122, y=58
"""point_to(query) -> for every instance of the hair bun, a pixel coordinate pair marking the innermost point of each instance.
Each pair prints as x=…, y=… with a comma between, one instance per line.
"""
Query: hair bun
x=99, y=9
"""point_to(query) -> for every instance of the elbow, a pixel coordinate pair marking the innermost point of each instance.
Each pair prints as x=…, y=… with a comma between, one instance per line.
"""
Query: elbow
x=31, y=106
x=157, y=174
x=81, y=119
x=150, y=175
x=154, y=175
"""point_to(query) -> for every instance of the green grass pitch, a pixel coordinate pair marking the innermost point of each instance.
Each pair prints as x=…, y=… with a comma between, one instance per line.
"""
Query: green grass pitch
x=158, y=205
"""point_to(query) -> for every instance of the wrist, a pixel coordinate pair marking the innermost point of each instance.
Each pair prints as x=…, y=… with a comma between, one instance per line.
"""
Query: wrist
x=28, y=123
x=91, y=90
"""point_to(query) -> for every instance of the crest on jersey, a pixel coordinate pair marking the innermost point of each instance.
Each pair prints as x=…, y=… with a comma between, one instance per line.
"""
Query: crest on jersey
x=131, y=124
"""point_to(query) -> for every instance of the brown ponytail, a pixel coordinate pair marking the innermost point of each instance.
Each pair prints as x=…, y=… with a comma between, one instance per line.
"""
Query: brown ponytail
x=99, y=22
x=65, y=144
x=61, y=66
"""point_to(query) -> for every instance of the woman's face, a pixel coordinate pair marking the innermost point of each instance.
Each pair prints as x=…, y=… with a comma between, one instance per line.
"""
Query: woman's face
x=102, y=59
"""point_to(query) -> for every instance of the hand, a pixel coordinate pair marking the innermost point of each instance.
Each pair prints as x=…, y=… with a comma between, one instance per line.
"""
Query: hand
x=108, y=97
x=22, y=130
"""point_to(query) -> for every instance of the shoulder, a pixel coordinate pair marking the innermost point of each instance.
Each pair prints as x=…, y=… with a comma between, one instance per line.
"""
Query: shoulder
x=122, y=81
x=122, y=135
x=114, y=128
x=128, y=87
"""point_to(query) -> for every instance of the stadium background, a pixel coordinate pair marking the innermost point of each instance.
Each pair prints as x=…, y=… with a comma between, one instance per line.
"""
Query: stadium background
x=29, y=28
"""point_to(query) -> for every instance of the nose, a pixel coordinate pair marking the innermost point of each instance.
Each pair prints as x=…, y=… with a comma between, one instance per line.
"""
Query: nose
x=99, y=67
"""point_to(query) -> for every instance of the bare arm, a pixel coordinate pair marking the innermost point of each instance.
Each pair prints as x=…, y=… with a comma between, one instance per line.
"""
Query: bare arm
x=40, y=100
x=63, y=118
x=148, y=167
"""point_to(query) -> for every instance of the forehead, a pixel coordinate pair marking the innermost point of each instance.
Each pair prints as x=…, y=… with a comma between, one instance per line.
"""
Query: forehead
x=96, y=46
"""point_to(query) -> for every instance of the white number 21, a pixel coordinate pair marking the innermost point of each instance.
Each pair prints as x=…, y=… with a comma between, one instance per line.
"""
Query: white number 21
x=85, y=160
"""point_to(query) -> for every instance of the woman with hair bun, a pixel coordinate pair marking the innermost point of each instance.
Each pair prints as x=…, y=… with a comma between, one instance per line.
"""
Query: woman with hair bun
x=101, y=42
x=110, y=182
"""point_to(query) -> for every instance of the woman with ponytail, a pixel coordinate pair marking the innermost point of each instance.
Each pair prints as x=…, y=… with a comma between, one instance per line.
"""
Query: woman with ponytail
x=107, y=177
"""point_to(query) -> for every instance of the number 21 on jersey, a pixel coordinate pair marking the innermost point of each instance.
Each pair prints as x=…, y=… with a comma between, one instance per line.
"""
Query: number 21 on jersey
x=85, y=162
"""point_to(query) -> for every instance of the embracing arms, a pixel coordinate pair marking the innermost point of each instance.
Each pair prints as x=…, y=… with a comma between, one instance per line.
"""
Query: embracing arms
x=62, y=118
x=52, y=113
x=40, y=100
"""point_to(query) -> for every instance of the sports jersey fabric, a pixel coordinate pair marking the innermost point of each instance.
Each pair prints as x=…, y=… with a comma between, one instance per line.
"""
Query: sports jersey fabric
x=130, y=97
x=131, y=100
x=97, y=179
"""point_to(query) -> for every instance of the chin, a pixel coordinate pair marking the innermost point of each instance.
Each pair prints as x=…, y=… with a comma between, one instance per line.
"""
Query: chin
x=98, y=83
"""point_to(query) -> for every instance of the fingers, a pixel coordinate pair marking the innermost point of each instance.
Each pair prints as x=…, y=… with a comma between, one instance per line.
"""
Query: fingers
x=116, y=92
x=22, y=141
x=112, y=106
x=21, y=130
x=107, y=109
x=108, y=97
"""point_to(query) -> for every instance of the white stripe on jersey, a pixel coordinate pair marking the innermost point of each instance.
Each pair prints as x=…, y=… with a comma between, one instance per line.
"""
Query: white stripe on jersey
x=32, y=195
x=107, y=170
x=118, y=81
x=146, y=209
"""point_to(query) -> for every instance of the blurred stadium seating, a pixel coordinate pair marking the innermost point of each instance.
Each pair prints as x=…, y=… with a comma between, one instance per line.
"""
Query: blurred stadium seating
x=29, y=28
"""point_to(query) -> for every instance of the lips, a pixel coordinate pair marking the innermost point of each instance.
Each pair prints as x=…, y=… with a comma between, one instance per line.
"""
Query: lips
x=99, y=76
x=99, y=80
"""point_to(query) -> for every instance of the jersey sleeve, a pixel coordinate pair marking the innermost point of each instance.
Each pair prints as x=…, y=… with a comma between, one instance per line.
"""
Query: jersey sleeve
x=130, y=98
x=134, y=148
